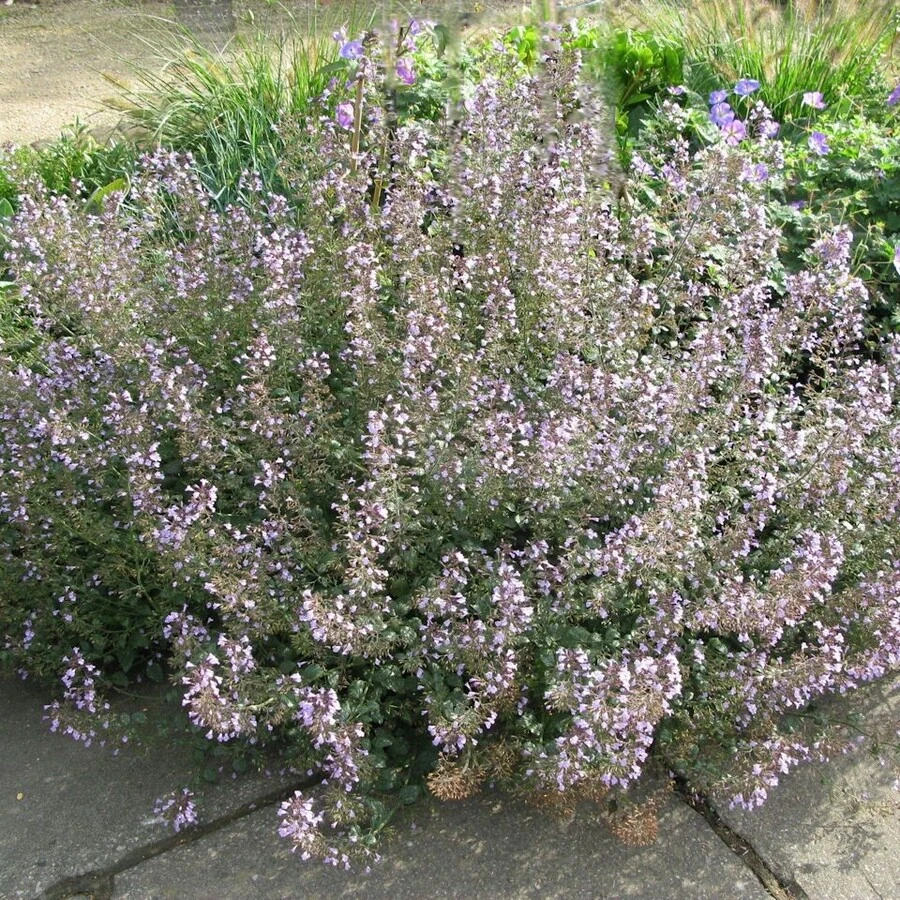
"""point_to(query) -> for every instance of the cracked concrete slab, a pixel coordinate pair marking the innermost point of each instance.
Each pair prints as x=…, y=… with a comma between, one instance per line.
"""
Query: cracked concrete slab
x=66, y=808
x=834, y=829
x=491, y=846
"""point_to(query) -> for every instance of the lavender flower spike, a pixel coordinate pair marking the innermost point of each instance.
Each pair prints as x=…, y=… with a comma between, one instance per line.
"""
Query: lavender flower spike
x=178, y=809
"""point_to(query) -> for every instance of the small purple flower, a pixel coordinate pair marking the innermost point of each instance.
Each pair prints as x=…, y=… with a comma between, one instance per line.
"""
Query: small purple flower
x=352, y=50
x=897, y=258
x=894, y=97
x=818, y=143
x=746, y=86
x=718, y=97
x=721, y=114
x=814, y=99
x=405, y=71
x=414, y=27
x=769, y=129
x=344, y=115
x=300, y=824
x=734, y=131
x=676, y=90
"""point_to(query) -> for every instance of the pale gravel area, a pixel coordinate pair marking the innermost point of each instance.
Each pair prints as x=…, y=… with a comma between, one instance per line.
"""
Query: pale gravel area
x=57, y=56
x=54, y=56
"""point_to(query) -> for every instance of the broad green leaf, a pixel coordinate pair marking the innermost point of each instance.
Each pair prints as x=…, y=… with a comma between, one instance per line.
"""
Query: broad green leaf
x=95, y=201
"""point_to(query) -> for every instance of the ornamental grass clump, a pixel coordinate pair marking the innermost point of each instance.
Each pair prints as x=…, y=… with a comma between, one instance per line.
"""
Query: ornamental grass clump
x=841, y=48
x=454, y=469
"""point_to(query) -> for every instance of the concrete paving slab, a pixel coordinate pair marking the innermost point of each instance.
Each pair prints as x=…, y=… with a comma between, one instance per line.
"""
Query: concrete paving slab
x=66, y=808
x=834, y=829
x=491, y=846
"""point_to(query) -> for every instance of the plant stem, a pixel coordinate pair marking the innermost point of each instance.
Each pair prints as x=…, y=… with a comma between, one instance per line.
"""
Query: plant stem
x=357, y=123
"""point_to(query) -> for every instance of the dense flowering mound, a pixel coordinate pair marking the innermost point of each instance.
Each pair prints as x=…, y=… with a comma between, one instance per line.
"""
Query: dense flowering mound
x=457, y=465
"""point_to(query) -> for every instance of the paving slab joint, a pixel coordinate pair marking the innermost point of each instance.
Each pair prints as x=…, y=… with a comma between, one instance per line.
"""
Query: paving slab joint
x=778, y=886
x=99, y=884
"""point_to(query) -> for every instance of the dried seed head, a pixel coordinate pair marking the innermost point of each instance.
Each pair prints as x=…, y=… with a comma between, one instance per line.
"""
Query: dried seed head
x=451, y=781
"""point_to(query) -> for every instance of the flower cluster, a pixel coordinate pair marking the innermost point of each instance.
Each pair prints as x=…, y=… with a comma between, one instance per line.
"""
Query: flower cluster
x=721, y=114
x=83, y=710
x=178, y=809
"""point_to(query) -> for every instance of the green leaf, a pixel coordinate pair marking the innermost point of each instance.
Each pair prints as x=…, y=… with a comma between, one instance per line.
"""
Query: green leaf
x=6, y=209
x=441, y=39
x=636, y=99
x=409, y=794
x=95, y=201
x=155, y=673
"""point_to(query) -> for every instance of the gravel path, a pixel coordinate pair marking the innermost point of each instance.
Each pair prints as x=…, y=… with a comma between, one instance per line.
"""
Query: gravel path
x=57, y=56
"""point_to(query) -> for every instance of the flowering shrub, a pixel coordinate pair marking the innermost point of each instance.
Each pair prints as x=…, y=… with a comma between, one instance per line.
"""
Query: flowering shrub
x=451, y=470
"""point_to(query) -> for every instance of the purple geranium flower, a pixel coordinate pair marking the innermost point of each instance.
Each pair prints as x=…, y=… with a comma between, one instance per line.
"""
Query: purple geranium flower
x=894, y=97
x=735, y=131
x=405, y=71
x=818, y=143
x=746, y=86
x=717, y=97
x=344, y=115
x=814, y=99
x=352, y=50
x=721, y=114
